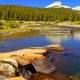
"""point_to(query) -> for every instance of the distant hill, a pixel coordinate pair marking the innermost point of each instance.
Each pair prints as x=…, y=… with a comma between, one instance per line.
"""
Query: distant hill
x=20, y=13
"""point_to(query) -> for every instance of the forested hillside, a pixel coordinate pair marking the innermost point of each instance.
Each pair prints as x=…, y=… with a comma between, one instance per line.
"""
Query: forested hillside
x=20, y=13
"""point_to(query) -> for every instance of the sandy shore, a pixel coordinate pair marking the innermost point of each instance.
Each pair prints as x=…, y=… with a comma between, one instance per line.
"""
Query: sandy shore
x=68, y=24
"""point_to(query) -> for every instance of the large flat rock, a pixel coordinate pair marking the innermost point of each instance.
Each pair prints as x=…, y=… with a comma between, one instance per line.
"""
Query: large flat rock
x=44, y=66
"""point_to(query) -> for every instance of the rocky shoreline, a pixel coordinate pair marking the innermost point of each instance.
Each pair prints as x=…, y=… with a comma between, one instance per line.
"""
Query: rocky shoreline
x=26, y=57
x=33, y=64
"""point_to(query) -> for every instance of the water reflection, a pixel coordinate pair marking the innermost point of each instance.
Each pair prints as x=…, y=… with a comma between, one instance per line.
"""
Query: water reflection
x=34, y=38
x=19, y=34
x=77, y=35
x=14, y=44
x=70, y=59
x=57, y=38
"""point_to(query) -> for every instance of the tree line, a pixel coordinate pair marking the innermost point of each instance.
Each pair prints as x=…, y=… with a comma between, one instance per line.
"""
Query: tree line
x=9, y=12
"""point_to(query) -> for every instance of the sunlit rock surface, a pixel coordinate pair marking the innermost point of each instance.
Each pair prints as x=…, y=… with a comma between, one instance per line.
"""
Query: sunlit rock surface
x=16, y=78
x=8, y=67
x=42, y=63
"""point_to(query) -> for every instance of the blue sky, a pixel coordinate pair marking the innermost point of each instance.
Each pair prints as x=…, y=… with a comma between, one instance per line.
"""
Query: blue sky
x=40, y=3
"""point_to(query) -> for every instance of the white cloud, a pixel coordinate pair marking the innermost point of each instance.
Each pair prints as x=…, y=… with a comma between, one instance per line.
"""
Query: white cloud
x=66, y=6
x=76, y=8
x=54, y=4
x=57, y=3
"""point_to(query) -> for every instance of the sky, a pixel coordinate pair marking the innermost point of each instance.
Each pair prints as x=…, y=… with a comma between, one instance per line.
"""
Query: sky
x=39, y=3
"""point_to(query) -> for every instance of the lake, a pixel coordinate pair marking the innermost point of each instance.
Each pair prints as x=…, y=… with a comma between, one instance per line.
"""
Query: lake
x=70, y=40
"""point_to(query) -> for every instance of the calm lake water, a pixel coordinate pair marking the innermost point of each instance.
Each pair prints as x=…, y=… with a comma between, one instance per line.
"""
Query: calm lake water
x=69, y=59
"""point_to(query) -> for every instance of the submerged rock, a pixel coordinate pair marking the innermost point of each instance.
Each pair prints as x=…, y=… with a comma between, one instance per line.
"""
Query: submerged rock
x=44, y=66
x=55, y=47
x=74, y=77
x=52, y=76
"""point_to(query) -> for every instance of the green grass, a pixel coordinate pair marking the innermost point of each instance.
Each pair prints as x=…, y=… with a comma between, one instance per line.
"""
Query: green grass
x=15, y=30
x=10, y=26
x=75, y=23
x=13, y=26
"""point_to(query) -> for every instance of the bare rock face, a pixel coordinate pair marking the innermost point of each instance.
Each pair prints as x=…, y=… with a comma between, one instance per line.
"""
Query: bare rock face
x=8, y=67
x=2, y=77
x=44, y=66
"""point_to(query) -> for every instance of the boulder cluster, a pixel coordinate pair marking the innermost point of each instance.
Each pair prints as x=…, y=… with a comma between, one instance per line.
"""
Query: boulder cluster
x=28, y=62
